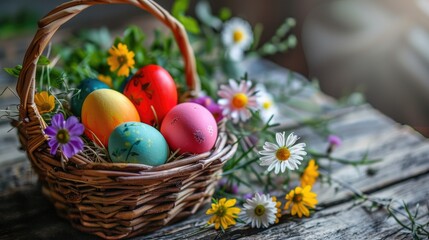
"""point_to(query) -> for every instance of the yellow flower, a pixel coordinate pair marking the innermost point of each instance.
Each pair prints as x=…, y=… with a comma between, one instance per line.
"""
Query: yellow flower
x=301, y=200
x=279, y=211
x=121, y=60
x=45, y=103
x=310, y=174
x=224, y=213
x=106, y=79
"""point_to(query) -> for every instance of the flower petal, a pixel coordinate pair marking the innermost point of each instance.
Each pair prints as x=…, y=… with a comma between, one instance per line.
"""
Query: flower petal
x=280, y=139
x=291, y=139
x=51, y=131
x=53, y=144
x=230, y=203
x=58, y=121
x=270, y=146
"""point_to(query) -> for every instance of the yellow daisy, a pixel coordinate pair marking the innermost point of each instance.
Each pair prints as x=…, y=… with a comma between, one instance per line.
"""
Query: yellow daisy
x=310, y=174
x=301, y=200
x=279, y=210
x=106, y=79
x=45, y=103
x=121, y=60
x=224, y=213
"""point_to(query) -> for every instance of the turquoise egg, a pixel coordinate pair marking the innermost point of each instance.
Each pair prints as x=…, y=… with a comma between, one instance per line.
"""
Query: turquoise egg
x=136, y=142
x=124, y=83
x=86, y=87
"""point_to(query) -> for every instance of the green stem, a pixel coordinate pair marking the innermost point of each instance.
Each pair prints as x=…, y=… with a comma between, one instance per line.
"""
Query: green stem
x=363, y=161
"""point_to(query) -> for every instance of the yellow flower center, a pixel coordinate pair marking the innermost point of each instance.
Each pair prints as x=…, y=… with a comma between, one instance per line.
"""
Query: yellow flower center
x=297, y=198
x=238, y=35
x=267, y=104
x=221, y=211
x=283, y=154
x=259, y=210
x=122, y=60
x=239, y=100
x=63, y=136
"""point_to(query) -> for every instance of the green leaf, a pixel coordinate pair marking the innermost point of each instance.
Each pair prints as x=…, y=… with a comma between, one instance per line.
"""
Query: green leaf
x=203, y=12
x=58, y=78
x=179, y=10
x=43, y=61
x=190, y=24
x=292, y=41
x=269, y=48
x=179, y=7
x=224, y=13
x=133, y=37
x=14, y=72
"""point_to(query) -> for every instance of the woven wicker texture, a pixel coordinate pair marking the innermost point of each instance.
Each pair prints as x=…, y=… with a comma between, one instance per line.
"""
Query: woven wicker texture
x=115, y=200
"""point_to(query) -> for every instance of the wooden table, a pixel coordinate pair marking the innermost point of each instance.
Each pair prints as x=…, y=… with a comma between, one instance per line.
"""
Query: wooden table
x=402, y=175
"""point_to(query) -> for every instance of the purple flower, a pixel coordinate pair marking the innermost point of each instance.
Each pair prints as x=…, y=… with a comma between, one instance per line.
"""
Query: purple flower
x=251, y=195
x=211, y=105
x=334, y=140
x=228, y=187
x=65, y=134
x=204, y=101
x=248, y=196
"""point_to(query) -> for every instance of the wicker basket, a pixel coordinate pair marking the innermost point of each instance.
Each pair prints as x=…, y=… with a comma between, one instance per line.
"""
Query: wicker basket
x=115, y=200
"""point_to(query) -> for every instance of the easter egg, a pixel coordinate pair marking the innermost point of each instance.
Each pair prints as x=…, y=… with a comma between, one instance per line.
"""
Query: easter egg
x=123, y=84
x=103, y=110
x=153, y=91
x=136, y=142
x=189, y=128
x=86, y=87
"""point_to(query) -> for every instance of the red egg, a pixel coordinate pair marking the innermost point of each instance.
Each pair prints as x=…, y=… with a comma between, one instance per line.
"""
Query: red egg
x=152, y=91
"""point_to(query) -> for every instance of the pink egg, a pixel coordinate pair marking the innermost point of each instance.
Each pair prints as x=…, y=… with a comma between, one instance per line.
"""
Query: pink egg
x=189, y=128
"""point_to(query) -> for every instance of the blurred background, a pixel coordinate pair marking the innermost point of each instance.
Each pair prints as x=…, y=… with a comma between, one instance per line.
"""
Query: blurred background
x=377, y=47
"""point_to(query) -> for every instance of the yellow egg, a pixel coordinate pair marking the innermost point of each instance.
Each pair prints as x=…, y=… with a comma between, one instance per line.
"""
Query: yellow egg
x=103, y=110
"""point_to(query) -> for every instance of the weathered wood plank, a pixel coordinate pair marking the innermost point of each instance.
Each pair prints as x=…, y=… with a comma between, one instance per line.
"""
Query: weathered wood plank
x=404, y=154
x=15, y=176
x=27, y=214
x=344, y=221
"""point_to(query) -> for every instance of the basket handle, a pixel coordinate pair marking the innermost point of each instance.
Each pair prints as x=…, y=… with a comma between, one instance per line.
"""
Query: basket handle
x=61, y=14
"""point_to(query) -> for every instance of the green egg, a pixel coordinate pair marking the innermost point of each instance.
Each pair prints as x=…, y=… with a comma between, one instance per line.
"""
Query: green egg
x=136, y=142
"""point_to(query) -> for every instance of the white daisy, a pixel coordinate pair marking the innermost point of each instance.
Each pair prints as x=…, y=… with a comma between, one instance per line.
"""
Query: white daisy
x=237, y=36
x=284, y=154
x=266, y=103
x=235, y=53
x=236, y=100
x=260, y=211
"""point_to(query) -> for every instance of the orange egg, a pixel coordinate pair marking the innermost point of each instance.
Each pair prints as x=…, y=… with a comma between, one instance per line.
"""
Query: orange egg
x=103, y=110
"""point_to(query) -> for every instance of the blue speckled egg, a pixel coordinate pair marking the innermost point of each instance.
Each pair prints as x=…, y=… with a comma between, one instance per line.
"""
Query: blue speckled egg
x=136, y=142
x=86, y=87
